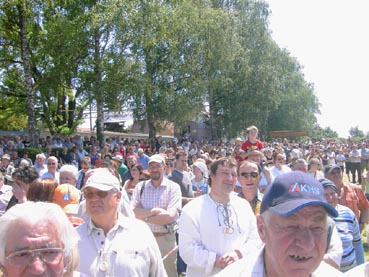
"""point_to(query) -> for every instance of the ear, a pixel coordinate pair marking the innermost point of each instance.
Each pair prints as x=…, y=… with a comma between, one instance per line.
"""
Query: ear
x=260, y=223
x=211, y=176
x=119, y=195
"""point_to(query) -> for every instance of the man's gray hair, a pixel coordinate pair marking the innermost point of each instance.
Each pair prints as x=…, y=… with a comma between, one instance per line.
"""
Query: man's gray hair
x=70, y=168
x=40, y=212
x=41, y=155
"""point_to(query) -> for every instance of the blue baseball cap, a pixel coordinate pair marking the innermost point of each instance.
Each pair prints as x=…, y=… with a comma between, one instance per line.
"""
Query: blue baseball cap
x=293, y=191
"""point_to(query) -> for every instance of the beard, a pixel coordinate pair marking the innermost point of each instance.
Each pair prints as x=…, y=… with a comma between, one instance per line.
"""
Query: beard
x=155, y=176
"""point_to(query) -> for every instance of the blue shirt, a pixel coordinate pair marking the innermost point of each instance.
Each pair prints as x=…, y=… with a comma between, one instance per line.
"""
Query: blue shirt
x=143, y=160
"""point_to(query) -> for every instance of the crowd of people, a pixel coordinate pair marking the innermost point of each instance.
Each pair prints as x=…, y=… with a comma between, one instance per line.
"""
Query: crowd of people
x=183, y=208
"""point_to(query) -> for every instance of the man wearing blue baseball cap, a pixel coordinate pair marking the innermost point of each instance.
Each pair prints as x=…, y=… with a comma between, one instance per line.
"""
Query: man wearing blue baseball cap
x=293, y=226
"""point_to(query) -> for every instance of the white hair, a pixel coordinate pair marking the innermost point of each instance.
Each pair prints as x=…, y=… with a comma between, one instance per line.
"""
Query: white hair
x=52, y=158
x=23, y=163
x=41, y=155
x=70, y=168
x=39, y=212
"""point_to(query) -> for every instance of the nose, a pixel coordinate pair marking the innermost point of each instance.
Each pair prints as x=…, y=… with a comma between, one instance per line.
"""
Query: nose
x=36, y=266
x=305, y=239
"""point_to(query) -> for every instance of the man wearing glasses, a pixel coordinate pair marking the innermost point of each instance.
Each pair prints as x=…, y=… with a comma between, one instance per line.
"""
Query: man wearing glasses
x=249, y=176
x=37, y=239
x=52, y=169
x=112, y=244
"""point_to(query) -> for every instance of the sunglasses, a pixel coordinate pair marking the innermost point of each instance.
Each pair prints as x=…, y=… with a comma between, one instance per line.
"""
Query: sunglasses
x=90, y=194
x=247, y=175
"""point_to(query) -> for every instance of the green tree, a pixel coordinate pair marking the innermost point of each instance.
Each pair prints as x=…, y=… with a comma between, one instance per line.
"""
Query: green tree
x=356, y=133
x=320, y=133
x=163, y=61
x=44, y=43
x=19, y=21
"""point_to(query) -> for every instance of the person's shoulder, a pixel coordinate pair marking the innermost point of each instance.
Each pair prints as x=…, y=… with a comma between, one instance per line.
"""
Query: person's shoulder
x=175, y=174
x=6, y=188
x=358, y=271
x=240, y=203
x=82, y=229
x=171, y=182
x=325, y=269
x=344, y=208
x=196, y=203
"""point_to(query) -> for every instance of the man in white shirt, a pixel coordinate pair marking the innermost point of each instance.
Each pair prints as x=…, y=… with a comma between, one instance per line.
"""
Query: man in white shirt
x=112, y=244
x=218, y=228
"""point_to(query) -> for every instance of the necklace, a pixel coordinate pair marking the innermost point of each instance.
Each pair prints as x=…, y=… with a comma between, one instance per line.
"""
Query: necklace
x=224, y=214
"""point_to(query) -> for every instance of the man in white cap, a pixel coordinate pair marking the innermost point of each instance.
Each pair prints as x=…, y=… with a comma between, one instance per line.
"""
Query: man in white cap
x=112, y=244
x=158, y=203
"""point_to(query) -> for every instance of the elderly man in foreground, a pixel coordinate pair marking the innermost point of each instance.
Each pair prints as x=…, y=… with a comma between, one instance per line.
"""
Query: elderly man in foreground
x=292, y=224
x=37, y=239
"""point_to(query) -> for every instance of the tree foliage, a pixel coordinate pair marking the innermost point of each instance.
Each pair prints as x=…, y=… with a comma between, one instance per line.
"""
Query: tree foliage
x=164, y=60
x=320, y=133
x=356, y=133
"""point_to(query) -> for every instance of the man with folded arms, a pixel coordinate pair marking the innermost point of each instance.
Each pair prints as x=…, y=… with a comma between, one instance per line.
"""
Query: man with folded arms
x=158, y=202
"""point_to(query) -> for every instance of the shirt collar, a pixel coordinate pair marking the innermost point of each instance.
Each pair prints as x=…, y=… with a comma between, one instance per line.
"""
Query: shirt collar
x=119, y=224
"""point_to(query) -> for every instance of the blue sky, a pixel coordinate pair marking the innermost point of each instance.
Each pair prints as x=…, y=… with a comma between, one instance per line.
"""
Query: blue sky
x=330, y=39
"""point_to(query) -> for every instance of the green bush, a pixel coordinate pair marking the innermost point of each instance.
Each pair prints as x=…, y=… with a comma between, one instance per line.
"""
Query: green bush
x=31, y=151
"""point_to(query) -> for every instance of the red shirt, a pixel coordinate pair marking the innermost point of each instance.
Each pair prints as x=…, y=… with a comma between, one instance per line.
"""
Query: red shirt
x=246, y=145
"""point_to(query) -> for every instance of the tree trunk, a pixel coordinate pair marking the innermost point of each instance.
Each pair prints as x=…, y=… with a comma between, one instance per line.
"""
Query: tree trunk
x=33, y=134
x=212, y=119
x=98, y=92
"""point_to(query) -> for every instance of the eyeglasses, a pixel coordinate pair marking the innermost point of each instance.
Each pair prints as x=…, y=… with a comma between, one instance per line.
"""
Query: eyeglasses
x=155, y=167
x=90, y=194
x=25, y=257
x=51, y=163
x=280, y=159
x=251, y=174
